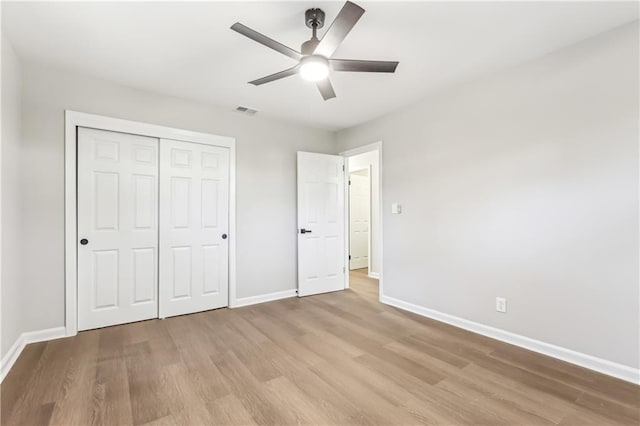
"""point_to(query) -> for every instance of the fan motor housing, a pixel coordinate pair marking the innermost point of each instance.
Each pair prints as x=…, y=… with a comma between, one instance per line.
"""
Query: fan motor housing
x=314, y=17
x=309, y=46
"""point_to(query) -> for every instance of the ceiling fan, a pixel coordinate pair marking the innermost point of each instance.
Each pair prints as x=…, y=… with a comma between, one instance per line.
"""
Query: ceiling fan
x=314, y=58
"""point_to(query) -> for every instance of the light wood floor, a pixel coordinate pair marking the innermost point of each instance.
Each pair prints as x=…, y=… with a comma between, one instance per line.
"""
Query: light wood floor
x=339, y=358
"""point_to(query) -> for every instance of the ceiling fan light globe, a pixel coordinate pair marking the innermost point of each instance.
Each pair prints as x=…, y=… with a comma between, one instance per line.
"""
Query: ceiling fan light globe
x=314, y=68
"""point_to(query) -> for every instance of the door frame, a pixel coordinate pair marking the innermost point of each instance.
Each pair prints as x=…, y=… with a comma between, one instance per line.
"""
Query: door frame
x=377, y=147
x=73, y=120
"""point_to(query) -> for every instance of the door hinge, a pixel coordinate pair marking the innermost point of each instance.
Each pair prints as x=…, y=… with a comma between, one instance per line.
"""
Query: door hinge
x=343, y=167
x=349, y=182
x=349, y=257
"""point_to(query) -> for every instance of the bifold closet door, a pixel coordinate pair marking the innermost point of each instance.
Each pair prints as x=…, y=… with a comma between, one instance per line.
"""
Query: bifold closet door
x=194, y=219
x=117, y=228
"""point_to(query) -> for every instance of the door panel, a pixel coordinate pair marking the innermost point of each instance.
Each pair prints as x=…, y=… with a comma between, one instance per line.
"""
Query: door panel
x=194, y=216
x=181, y=277
x=105, y=284
x=359, y=213
x=320, y=210
x=145, y=201
x=214, y=274
x=144, y=277
x=117, y=214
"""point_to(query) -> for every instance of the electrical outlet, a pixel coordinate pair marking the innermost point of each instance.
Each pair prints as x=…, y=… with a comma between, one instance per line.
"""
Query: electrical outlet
x=501, y=305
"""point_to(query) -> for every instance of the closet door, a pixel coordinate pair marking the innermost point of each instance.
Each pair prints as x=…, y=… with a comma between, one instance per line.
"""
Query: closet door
x=117, y=228
x=194, y=218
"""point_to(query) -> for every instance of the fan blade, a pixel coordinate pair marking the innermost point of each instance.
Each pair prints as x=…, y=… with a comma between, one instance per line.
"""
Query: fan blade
x=276, y=76
x=344, y=22
x=266, y=41
x=326, y=89
x=363, y=66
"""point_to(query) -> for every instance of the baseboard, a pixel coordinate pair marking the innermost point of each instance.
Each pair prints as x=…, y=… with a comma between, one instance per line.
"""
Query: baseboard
x=374, y=275
x=253, y=300
x=24, y=339
x=42, y=335
x=600, y=365
x=11, y=356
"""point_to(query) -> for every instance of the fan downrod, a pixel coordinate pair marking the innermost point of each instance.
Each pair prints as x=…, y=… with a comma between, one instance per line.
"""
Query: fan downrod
x=314, y=18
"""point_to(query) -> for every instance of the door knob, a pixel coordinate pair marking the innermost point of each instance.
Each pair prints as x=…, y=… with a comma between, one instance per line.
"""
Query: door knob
x=224, y=236
x=84, y=241
x=305, y=231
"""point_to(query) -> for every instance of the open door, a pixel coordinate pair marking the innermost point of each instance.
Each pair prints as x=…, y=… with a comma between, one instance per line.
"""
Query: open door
x=321, y=229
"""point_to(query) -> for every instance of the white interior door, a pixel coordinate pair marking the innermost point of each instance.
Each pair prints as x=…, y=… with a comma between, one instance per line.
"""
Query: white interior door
x=321, y=242
x=359, y=212
x=194, y=220
x=117, y=228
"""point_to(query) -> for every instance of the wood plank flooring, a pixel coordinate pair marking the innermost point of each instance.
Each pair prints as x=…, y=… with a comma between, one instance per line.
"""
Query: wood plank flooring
x=339, y=358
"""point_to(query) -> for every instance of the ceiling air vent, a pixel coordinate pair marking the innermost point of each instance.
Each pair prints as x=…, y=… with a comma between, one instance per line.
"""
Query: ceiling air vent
x=245, y=110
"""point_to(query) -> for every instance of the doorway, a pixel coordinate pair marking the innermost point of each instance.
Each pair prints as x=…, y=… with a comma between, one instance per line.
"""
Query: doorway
x=359, y=218
x=364, y=216
x=323, y=207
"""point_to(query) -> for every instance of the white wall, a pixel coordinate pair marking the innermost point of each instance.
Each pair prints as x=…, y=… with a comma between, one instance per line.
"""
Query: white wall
x=11, y=288
x=523, y=184
x=364, y=161
x=266, y=179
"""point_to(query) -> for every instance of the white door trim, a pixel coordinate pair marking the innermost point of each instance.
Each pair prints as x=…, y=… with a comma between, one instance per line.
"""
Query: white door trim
x=376, y=146
x=75, y=119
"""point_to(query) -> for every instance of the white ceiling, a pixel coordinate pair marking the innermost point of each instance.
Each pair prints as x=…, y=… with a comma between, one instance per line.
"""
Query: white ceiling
x=187, y=49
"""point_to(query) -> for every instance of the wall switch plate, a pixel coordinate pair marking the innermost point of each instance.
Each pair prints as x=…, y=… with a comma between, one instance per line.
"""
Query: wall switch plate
x=396, y=208
x=501, y=305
